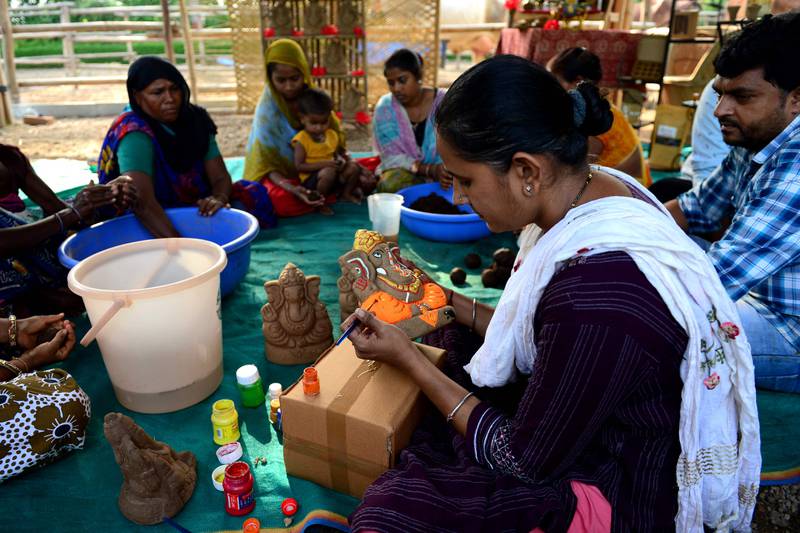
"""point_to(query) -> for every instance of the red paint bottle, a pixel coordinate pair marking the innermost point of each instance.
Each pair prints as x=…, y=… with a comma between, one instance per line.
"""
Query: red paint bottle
x=238, y=487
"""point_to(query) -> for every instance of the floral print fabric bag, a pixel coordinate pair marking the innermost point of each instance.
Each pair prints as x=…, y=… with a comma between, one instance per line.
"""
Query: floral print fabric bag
x=43, y=415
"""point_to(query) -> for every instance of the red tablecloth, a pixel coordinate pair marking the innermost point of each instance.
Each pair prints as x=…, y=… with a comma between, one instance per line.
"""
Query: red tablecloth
x=616, y=48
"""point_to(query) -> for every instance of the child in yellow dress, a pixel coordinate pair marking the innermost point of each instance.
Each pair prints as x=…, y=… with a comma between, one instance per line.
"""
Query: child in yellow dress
x=319, y=155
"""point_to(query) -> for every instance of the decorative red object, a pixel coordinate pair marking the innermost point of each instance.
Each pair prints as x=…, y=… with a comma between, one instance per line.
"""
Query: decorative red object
x=551, y=25
x=289, y=506
x=731, y=330
x=340, y=115
x=357, y=72
x=330, y=29
x=362, y=117
x=358, y=31
x=297, y=32
x=318, y=72
x=269, y=32
x=513, y=4
x=711, y=381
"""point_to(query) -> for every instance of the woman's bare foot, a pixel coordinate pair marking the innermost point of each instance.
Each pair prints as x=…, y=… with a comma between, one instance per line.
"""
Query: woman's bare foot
x=325, y=210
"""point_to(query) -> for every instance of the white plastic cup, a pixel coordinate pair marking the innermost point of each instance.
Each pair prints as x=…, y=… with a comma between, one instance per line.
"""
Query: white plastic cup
x=384, y=213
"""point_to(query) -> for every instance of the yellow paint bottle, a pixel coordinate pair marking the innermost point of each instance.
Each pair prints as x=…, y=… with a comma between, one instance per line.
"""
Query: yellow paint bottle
x=225, y=420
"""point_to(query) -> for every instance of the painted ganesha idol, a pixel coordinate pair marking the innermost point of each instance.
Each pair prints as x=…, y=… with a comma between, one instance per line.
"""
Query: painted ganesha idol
x=390, y=288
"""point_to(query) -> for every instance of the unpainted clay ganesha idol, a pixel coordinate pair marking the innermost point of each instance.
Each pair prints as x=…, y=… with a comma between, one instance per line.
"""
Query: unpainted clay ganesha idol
x=391, y=289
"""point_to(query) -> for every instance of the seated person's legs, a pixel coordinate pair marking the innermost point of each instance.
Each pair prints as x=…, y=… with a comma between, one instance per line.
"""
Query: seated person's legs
x=349, y=177
x=326, y=181
x=776, y=361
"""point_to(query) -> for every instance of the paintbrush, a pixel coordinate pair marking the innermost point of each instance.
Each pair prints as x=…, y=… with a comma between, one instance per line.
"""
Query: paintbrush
x=352, y=326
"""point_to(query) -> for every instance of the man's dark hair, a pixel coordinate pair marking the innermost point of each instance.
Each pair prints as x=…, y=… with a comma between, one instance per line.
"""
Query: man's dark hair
x=314, y=102
x=773, y=43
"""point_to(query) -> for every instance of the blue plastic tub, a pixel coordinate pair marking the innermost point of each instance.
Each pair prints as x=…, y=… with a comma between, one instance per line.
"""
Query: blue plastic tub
x=232, y=229
x=444, y=228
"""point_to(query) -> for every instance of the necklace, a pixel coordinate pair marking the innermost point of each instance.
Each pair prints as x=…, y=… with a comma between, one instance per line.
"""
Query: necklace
x=580, y=193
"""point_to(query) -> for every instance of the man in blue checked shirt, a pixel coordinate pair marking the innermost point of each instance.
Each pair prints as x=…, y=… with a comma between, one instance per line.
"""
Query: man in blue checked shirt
x=754, y=195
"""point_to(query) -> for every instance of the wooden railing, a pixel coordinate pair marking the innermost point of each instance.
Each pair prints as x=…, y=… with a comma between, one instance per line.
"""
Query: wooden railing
x=168, y=22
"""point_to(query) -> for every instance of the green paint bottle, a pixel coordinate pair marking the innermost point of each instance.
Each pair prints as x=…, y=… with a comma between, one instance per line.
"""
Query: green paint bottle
x=249, y=384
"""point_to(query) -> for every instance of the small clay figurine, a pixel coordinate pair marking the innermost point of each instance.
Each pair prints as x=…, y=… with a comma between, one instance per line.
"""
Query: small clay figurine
x=352, y=102
x=314, y=17
x=334, y=60
x=296, y=327
x=157, y=481
x=348, y=17
x=391, y=288
x=281, y=16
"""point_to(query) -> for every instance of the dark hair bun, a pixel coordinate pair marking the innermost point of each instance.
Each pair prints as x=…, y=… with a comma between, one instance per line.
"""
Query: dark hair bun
x=598, y=117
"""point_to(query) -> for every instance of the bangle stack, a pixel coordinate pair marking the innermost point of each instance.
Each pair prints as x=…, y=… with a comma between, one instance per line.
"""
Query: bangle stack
x=474, y=313
x=12, y=330
x=77, y=214
x=458, y=406
x=60, y=222
x=16, y=370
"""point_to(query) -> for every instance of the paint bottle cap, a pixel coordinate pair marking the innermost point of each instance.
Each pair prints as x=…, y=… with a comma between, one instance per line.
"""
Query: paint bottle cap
x=251, y=525
x=229, y=453
x=247, y=375
x=275, y=390
x=289, y=506
x=218, y=476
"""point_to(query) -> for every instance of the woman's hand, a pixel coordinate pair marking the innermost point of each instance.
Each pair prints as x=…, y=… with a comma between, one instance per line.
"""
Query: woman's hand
x=445, y=178
x=55, y=350
x=33, y=331
x=211, y=204
x=309, y=197
x=378, y=341
x=125, y=193
x=91, y=198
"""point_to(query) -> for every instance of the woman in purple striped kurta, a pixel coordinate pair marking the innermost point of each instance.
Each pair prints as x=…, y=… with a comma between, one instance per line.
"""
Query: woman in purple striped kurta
x=600, y=409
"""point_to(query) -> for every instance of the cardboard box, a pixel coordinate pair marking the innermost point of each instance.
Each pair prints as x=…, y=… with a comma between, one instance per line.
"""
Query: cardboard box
x=671, y=131
x=354, y=430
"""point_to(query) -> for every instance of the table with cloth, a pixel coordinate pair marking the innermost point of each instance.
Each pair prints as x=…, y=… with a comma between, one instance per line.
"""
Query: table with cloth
x=615, y=48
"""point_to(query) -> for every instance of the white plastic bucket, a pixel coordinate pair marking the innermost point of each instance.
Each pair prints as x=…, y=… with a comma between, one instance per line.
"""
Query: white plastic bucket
x=155, y=311
x=384, y=213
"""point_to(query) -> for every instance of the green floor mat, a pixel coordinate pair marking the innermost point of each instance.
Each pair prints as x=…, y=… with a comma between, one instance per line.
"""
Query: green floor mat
x=79, y=492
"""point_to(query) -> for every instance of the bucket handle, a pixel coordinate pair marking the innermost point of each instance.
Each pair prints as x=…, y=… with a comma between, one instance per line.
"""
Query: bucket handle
x=117, y=304
x=172, y=247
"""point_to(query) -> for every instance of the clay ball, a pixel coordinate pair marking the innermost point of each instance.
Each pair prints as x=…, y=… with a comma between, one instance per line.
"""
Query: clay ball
x=489, y=278
x=504, y=257
x=472, y=260
x=458, y=276
x=502, y=274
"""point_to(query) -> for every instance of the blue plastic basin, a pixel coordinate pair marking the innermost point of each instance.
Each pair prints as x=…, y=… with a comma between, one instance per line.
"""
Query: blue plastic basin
x=232, y=229
x=444, y=228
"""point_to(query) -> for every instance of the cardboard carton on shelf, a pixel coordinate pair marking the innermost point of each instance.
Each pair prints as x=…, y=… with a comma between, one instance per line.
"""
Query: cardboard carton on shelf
x=354, y=430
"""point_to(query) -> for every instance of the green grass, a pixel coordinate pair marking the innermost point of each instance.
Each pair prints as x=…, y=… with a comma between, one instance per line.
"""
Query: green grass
x=52, y=47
